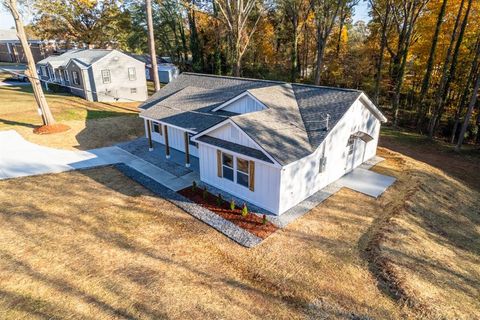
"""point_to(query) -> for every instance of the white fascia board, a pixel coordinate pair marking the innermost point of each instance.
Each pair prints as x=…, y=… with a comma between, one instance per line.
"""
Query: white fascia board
x=168, y=124
x=373, y=109
x=218, y=125
x=239, y=154
x=246, y=93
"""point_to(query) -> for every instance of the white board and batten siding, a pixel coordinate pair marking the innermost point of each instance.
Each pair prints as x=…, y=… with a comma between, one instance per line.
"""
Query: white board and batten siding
x=176, y=139
x=243, y=105
x=302, y=178
x=230, y=133
x=266, y=180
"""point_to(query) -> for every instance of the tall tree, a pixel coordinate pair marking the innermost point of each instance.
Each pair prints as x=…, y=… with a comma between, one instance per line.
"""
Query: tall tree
x=31, y=72
x=383, y=13
x=448, y=71
x=241, y=19
x=93, y=22
x=326, y=14
x=431, y=59
x=151, y=45
x=296, y=11
x=406, y=13
x=471, y=105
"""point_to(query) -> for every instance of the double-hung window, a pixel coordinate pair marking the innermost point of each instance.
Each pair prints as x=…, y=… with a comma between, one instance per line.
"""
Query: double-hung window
x=156, y=127
x=65, y=73
x=106, y=76
x=227, y=166
x=243, y=172
x=75, y=77
x=132, y=76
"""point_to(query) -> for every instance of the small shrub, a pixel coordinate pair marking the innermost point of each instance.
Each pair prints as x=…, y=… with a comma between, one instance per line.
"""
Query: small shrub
x=219, y=200
x=264, y=219
x=194, y=186
x=205, y=193
x=244, y=210
x=232, y=205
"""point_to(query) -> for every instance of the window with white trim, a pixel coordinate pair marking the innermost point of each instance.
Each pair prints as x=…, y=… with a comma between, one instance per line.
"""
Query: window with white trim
x=106, y=76
x=157, y=127
x=132, y=76
x=227, y=166
x=65, y=73
x=243, y=172
x=133, y=90
x=75, y=78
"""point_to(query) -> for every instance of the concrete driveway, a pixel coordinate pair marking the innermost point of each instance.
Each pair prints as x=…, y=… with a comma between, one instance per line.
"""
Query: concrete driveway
x=19, y=158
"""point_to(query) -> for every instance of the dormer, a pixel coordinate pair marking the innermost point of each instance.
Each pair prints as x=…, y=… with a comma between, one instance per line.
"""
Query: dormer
x=241, y=104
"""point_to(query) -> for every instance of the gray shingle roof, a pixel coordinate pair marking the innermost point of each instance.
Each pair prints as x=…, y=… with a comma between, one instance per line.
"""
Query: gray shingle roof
x=292, y=126
x=238, y=148
x=85, y=57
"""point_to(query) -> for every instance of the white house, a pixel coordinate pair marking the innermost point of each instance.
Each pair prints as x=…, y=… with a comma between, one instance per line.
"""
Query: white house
x=97, y=74
x=270, y=143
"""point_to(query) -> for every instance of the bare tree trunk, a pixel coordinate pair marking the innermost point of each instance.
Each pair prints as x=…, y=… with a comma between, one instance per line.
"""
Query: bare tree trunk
x=378, y=76
x=31, y=72
x=466, y=91
x=447, y=76
x=151, y=45
x=431, y=59
x=466, y=121
x=320, y=53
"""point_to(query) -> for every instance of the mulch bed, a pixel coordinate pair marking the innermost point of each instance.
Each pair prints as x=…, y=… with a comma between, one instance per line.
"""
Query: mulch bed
x=251, y=223
x=52, y=128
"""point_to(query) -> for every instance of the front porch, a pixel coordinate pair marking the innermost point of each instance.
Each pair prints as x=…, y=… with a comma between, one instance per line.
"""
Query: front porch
x=174, y=165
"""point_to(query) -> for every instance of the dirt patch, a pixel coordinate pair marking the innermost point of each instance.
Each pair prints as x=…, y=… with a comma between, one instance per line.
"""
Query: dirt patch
x=52, y=128
x=250, y=222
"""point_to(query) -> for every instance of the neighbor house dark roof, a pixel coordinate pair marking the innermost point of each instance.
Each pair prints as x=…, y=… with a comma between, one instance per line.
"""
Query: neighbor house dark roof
x=292, y=126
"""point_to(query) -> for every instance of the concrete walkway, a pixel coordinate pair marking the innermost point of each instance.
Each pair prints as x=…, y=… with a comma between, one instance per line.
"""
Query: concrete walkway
x=20, y=158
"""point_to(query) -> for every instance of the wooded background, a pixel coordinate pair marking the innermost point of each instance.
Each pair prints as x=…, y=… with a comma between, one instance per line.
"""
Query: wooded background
x=417, y=59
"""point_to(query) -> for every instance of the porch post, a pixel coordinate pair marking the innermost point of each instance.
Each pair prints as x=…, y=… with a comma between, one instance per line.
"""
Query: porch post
x=187, y=150
x=167, y=146
x=149, y=134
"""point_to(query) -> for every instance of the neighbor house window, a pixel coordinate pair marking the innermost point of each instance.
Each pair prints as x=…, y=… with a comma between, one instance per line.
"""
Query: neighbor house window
x=75, y=77
x=65, y=73
x=133, y=90
x=132, y=76
x=157, y=128
x=227, y=166
x=243, y=172
x=106, y=76
x=190, y=142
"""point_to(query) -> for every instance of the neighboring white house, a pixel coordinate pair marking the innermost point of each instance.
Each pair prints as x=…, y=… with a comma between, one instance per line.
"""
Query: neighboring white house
x=167, y=71
x=271, y=143
x=97, y=74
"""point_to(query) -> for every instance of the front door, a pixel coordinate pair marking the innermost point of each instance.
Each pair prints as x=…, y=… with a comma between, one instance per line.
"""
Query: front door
x=355, y=153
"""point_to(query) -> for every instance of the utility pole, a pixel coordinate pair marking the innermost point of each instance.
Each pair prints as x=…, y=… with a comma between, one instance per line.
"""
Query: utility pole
x=31, y=72
x=151, y=45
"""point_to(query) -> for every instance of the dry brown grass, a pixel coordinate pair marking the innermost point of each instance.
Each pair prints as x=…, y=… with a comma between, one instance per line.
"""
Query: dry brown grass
x=94, y=245
x=426, y=246
x=89, y=134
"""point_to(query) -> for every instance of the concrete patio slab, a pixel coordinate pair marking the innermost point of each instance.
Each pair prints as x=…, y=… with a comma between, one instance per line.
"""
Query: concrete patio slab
x=367, y=182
